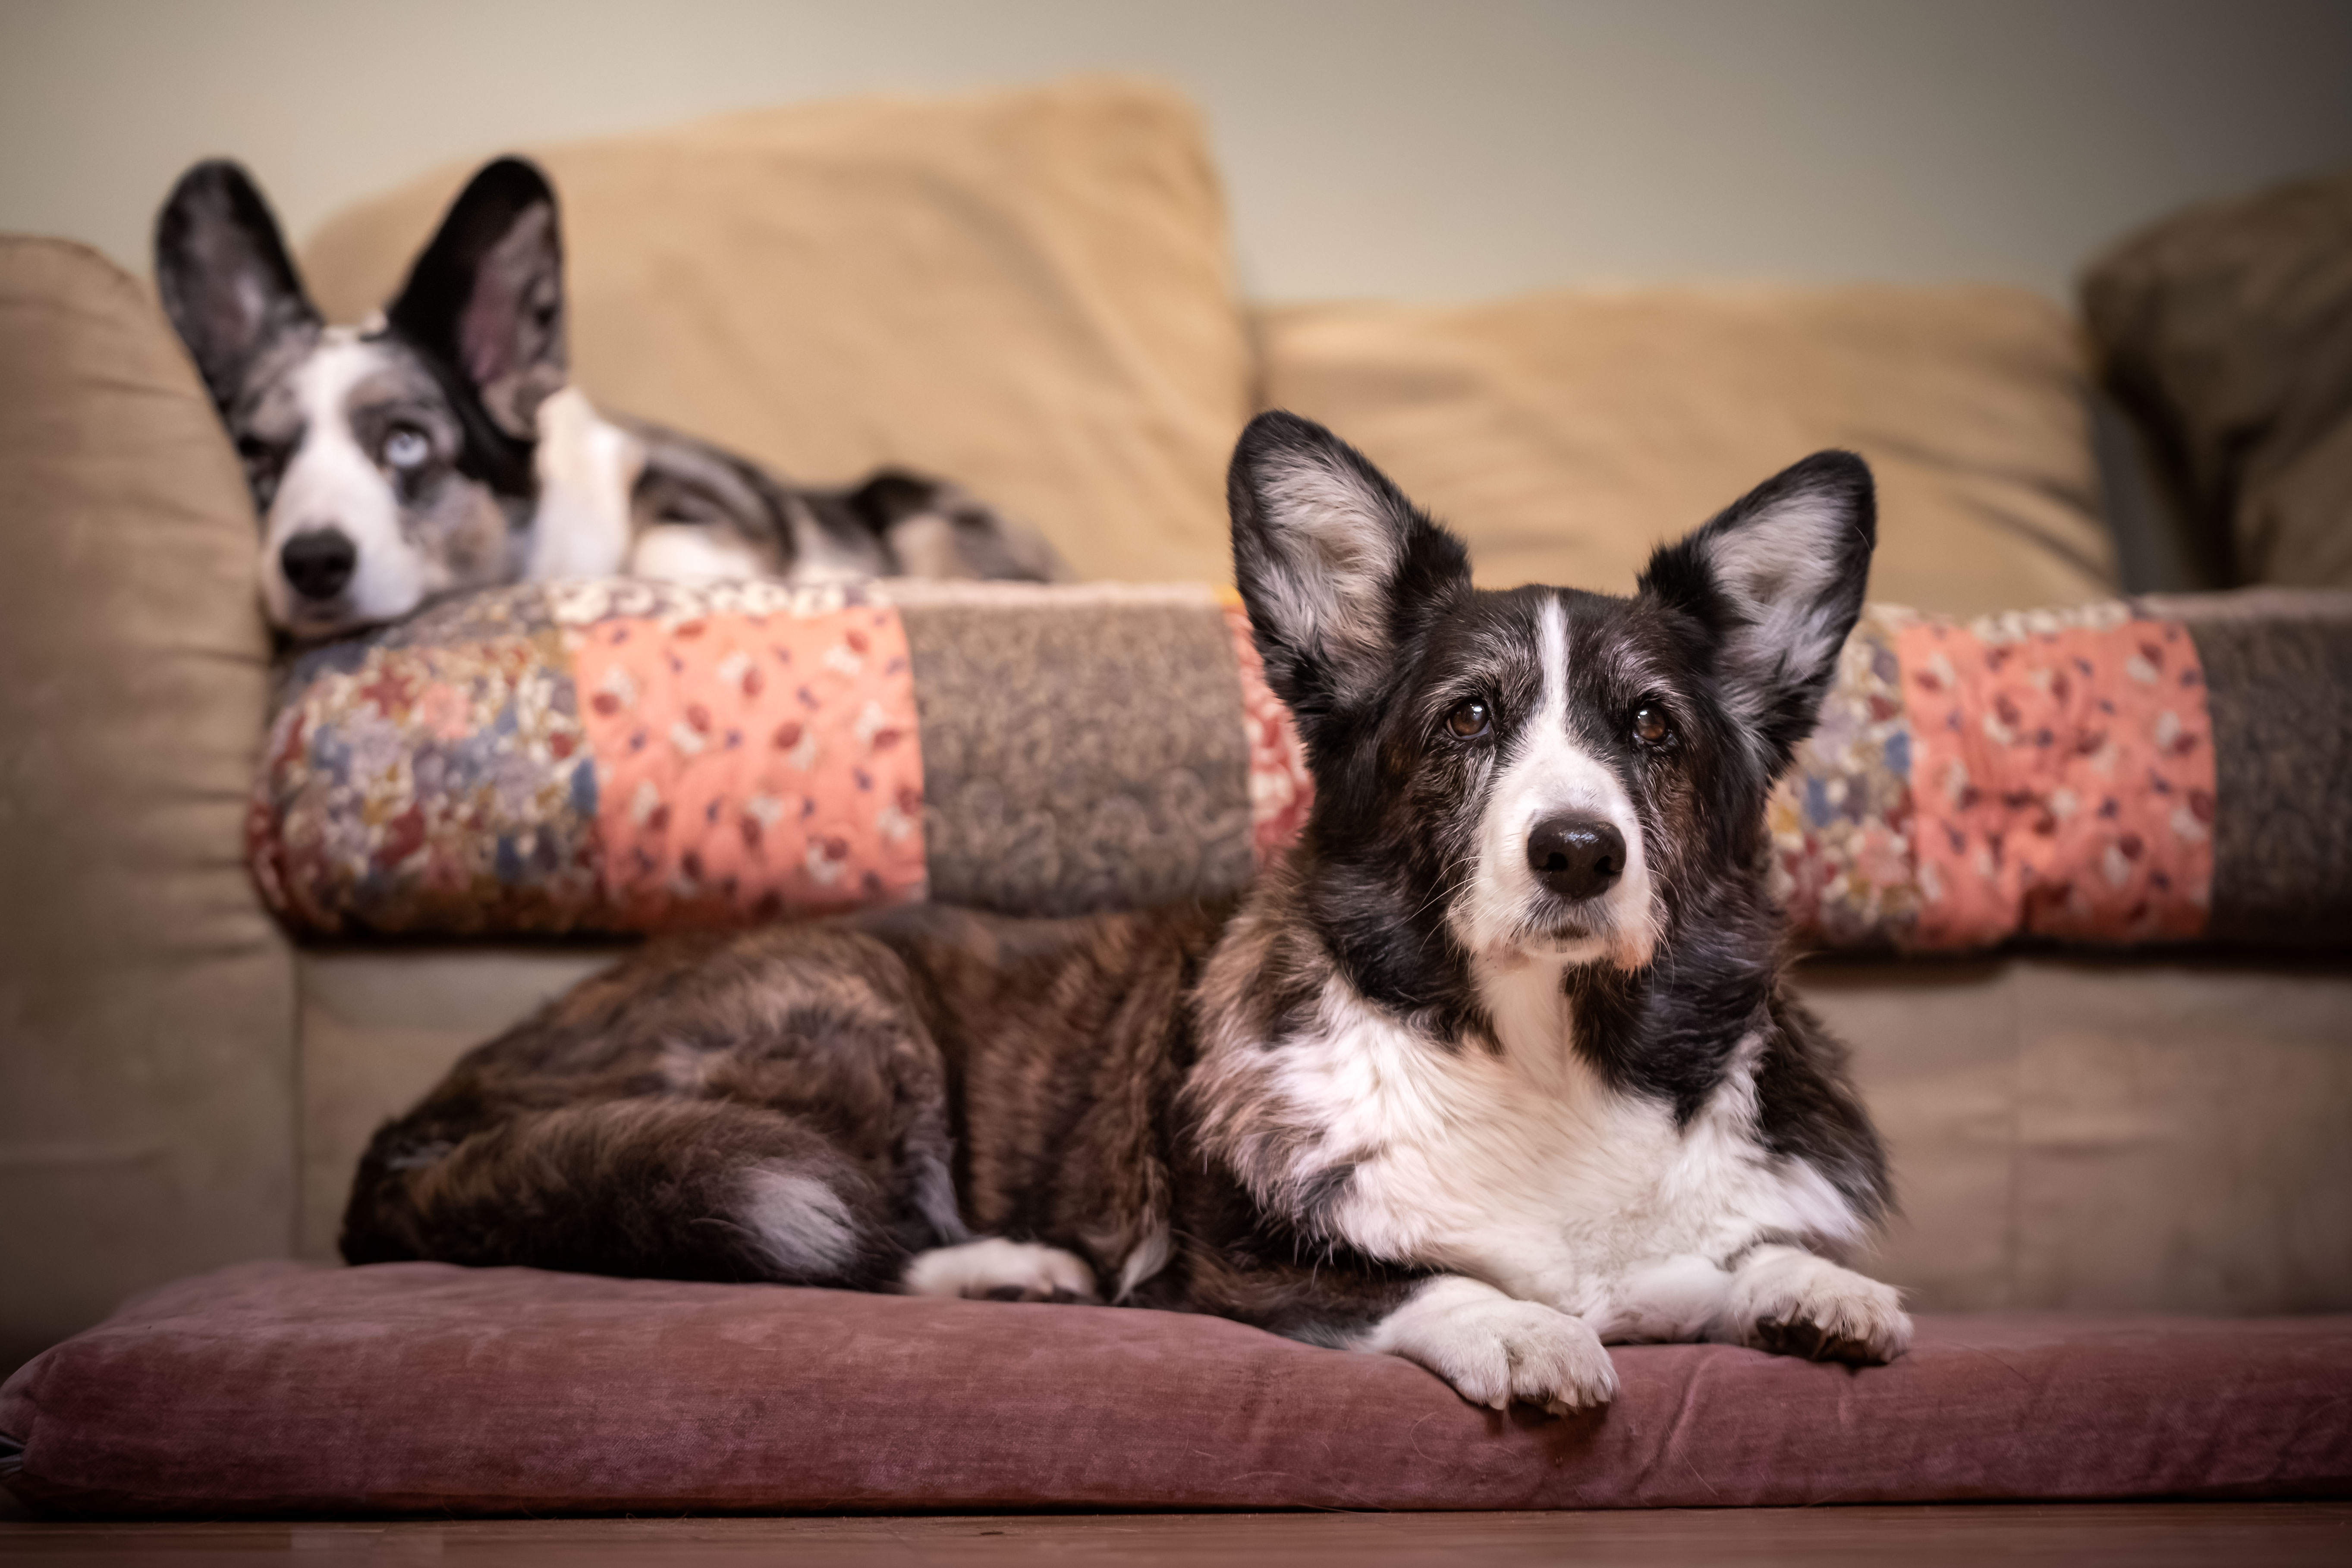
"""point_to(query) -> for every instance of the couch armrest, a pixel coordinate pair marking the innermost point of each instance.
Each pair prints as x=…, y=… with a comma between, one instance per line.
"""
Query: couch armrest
x=146, y=1001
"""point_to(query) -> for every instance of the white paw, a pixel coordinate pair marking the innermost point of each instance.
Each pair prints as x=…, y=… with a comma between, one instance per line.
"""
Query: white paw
x=995, y=1270
x=1792, y=1303
x=1494, y=1349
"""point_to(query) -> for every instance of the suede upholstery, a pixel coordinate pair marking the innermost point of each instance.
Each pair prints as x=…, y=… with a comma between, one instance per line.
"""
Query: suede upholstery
x=423, y=1388
x=146, y=1002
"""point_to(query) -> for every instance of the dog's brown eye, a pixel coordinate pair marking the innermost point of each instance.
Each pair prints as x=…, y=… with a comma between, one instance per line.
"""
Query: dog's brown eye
x=1469, y=719
x=1650, y=726
x=406, y=447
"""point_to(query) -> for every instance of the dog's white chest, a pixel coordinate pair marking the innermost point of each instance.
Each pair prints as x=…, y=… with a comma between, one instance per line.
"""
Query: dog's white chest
x=1522, y=1167
x=587, y=468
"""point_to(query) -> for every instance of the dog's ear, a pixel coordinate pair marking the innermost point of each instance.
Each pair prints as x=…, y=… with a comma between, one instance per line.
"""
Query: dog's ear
x=487, y=295
x=1778, y=579
x=1337, y=567
x=223, y=276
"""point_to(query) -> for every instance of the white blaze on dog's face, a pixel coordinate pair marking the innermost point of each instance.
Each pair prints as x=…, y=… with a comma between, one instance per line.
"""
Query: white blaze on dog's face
x=352, y=453
x=391, y=463
x=1559, y=871
x=1537, y=775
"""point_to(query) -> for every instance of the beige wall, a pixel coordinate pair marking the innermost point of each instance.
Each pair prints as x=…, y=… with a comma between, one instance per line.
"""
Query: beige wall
x=1373, y=148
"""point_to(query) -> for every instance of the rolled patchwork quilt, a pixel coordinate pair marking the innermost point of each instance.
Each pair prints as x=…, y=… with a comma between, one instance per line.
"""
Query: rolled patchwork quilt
x=623, y=756
x=620, y=757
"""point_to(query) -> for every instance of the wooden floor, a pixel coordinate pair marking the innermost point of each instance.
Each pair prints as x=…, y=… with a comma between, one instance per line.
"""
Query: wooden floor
x=2153, y=1534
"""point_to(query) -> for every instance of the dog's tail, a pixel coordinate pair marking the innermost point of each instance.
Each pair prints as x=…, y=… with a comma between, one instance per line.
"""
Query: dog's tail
x=682, y=1189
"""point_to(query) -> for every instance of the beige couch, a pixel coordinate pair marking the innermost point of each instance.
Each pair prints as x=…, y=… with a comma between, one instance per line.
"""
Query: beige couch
x=1033, y=292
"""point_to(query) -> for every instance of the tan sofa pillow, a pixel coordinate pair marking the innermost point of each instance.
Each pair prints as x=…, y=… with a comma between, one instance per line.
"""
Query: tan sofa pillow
x=1027, y=292
x=1566, y=433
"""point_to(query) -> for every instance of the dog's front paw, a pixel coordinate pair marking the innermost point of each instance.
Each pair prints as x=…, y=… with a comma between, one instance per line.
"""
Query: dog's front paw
x=1494, y=1349
x=1794, y=1303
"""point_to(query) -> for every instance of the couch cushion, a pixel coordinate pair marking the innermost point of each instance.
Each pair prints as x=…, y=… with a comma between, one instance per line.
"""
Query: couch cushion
x=2103, y=1133
x=1565, y=435
x=146, y=1003
x=422, y=1388
x=2088, y=1134
x=1027, y=292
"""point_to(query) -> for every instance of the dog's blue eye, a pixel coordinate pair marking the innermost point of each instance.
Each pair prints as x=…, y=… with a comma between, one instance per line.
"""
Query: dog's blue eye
x=405, y=448
x=1469, y=719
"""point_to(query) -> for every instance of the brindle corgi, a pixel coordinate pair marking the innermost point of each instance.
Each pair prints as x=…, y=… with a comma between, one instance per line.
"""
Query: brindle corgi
x=1497, y=1068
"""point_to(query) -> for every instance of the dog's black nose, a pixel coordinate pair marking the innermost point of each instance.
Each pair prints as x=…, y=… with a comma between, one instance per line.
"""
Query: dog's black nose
x=1576, y=857
x=318, y=563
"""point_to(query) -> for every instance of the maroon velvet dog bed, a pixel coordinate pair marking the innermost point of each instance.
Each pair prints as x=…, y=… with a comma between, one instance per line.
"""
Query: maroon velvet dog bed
x=275, y=1388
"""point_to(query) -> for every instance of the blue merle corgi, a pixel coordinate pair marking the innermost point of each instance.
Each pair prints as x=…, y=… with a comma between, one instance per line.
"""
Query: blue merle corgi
x=441, y=446
x=1498, y=1068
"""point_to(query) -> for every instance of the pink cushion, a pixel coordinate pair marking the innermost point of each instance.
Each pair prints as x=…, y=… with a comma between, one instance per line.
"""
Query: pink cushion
x=284, y=1387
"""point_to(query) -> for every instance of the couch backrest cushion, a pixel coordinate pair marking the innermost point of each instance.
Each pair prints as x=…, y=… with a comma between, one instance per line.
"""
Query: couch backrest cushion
x=1026, y=292
x=146, y=1002
x=1566, y=433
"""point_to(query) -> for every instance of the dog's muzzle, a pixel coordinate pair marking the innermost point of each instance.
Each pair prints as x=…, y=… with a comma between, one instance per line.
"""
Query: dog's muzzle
x=1577, y=858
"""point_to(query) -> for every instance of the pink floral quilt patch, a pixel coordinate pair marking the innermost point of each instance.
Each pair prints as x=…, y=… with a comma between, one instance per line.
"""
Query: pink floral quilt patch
x=753, y=763
x=2063, y=777
x=2046, y=775
x=617, y=756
